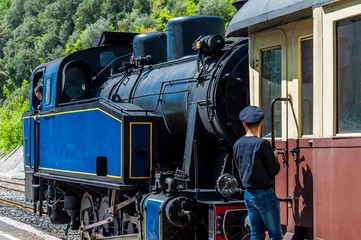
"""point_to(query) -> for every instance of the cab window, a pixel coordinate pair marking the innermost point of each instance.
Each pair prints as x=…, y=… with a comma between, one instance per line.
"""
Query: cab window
x=74, y=83
x=47, y=91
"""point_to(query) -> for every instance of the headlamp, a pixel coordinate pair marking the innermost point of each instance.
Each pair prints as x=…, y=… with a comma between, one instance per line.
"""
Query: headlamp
x=227, y=185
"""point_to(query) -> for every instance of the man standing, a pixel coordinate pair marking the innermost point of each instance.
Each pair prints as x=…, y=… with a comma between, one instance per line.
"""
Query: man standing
x=258, y=165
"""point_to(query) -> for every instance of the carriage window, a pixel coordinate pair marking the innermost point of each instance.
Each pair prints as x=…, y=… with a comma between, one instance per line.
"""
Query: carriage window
x=348, y=75
x=271, y=89
x=47, y=91
x=307, y=86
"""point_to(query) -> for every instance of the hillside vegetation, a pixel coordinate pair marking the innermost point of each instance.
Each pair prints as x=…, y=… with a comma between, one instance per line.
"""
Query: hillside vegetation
x=37, y=31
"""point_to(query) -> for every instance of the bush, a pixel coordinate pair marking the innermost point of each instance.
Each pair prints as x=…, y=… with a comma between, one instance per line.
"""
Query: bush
x=11, y=111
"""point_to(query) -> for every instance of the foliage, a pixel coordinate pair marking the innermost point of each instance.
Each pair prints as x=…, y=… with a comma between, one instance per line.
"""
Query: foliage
x=4, y=4
x=93, y=32
x=222, y=8
x=11, y=111
x=87, y=12
x=5, y=35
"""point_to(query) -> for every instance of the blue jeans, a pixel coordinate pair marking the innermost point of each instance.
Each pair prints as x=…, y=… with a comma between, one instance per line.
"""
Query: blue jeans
x=264, y=214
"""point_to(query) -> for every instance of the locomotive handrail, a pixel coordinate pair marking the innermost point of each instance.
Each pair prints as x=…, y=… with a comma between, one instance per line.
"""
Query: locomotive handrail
x=79, y=101
x=163, y=85
x=37, y=142
x=160, y=93
x=117, y=58
x=30, y=139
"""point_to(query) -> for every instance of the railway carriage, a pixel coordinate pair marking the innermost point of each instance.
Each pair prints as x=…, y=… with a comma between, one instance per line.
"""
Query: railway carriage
x=304, y=65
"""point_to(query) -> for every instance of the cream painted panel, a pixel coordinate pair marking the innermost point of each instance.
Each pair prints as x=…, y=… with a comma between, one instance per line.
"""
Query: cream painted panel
x=317, y=73
x=302, y=30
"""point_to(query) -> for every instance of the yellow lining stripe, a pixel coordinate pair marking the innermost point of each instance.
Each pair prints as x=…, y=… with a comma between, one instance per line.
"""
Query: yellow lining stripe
x=81, y=110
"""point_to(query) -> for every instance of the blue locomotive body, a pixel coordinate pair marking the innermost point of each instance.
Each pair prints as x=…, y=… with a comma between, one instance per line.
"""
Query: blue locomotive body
x=124, y=143
x=80, y=152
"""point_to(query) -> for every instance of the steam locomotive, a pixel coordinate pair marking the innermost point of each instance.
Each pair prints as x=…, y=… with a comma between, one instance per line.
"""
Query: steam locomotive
x=133, y=137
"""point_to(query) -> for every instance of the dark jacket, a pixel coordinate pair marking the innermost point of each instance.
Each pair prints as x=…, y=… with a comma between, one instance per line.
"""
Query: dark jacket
x=256, y=161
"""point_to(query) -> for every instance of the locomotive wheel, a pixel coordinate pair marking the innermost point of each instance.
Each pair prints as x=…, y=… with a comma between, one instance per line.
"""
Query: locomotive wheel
x=116, y=226
x=109, y=229
x=88, y=215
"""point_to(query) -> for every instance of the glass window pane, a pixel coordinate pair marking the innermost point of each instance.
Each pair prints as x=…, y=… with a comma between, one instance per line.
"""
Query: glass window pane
x=307, y=86
x=74, y=82
x=271, y=89
x=48, y=91
x=106, y=58
x=348, y=75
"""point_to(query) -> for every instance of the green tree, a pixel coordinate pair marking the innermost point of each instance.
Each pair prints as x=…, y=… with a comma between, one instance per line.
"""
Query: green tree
x=57, y=26
x=19, y=55
x=116, y=10
x=93, y=32
x=3, y=78
x=14, y=15
x=221, y=8
x=5, y=35
x=142, y=6
x=33, y=8
x=87, y=12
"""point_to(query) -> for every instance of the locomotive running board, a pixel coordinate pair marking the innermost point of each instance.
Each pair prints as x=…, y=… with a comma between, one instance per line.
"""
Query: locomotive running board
x=87, y=182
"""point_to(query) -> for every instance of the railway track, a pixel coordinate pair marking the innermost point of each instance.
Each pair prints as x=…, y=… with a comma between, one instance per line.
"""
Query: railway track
x=14, y=186
x=19, y=186
x=17, y=204
x=14, y=182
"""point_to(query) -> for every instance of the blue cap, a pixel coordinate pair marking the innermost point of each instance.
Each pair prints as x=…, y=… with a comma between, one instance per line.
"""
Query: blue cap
x=251, y=114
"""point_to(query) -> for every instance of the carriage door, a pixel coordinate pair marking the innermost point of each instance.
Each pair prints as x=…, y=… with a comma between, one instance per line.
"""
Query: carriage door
x=268, y=81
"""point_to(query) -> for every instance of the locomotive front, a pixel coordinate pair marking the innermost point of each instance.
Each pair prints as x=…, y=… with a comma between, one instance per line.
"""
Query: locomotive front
x=156, y=134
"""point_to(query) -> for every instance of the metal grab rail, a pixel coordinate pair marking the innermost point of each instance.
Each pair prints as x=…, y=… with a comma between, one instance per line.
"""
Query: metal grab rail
x=288, y=99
